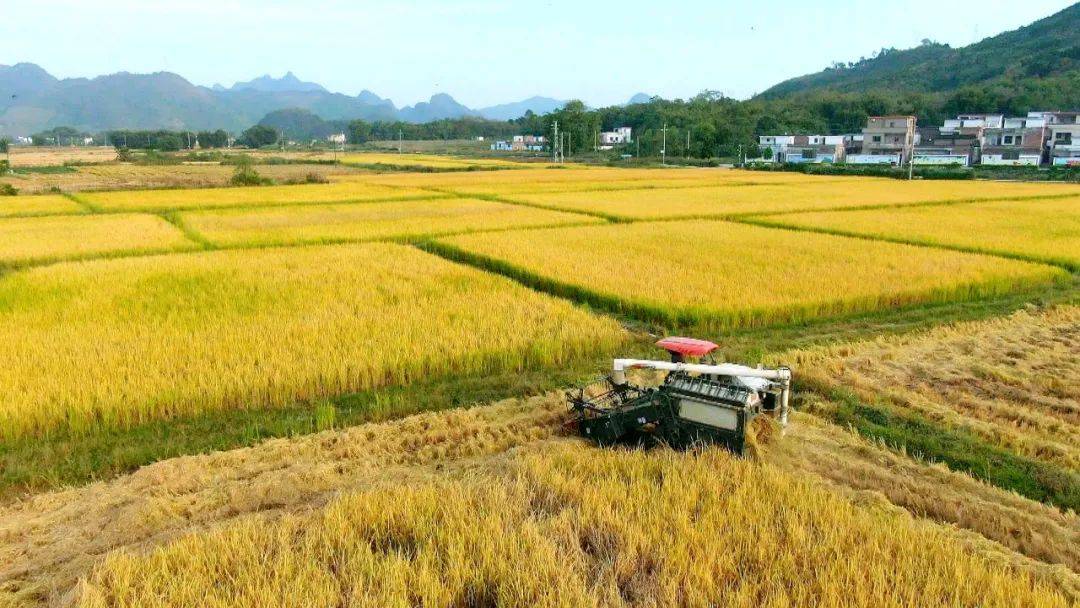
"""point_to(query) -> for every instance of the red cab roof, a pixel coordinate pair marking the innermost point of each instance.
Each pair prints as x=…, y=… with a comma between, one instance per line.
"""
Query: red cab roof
x=690, y=347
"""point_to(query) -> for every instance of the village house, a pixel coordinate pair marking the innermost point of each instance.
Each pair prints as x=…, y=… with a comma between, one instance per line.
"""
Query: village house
x=886, y=140
x=1064, y=137
x=1019, y=141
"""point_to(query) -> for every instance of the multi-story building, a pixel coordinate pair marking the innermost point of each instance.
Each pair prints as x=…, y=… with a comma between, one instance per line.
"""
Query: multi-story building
x=889, y=138
x=815, y=149
x=806, y=148
x=1019, y=141
x=1064, y=136
x=621, y=135
x=776, y=144
x=947, y=145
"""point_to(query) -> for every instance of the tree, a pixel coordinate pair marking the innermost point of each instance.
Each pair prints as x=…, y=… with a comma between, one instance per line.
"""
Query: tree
x=258, y=136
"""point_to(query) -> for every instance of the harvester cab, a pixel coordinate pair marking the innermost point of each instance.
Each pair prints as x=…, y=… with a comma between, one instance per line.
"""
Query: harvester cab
x=698, y=401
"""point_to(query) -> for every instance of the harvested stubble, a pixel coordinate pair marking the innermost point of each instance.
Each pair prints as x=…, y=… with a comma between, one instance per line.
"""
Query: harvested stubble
x=41, y=239
x=730, y=200
x=369, y=221
x=1046, y=230
x=562, y=523
x=208, y=198
x=45, y=204
x=1010, y=380
x=48, y=541
x=722, y=274
x=116, y=342
x=867, y=469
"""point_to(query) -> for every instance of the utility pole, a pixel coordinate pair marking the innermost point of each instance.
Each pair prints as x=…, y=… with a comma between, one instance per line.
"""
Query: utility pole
x=663, y=148
x=688, y=144
x=555, y=143
x=399, y=141
x=911, y=160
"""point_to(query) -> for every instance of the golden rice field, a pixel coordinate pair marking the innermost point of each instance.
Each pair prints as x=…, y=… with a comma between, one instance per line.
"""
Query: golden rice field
x=46, y=204
x=43, y=239
x=208, y=198
x=473, y=521
x=725, y=275
x=432, y=161
x=565, y=524
x=584, y=179
x=727, y=200
x=1043, y=230
x=368, y=221
x=115, y=343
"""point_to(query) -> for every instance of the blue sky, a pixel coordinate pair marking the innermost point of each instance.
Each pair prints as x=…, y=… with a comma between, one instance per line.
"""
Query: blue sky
x=485, y=52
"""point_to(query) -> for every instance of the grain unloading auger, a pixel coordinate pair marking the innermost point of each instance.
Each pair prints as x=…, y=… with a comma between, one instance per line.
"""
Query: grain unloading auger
x=701, y=402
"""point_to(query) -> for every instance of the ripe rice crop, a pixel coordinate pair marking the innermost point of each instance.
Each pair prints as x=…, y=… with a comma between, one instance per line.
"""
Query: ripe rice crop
x=41, y=239
x=114, y=343
x=724, y=201
x=563, y=523
x=1011, y=380
x=1045, y=230
x=426, y=160
x=584, y=179
x=398, y=219
x=46, y=204
x=723, y=274
x=208, y=198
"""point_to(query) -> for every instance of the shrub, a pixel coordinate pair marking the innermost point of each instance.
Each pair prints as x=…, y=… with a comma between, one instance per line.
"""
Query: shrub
x=246, y=175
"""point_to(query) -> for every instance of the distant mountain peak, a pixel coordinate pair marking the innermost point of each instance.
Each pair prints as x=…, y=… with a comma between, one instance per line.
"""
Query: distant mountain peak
x=639, y=98
x=537, y=104
x=287, y=83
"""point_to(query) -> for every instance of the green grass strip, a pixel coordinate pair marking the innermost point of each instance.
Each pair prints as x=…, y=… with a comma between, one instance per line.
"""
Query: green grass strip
x=957, y=448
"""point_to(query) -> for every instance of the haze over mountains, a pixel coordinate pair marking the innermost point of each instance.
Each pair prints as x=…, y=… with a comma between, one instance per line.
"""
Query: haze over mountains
x=1035, y=64
x=31, y=99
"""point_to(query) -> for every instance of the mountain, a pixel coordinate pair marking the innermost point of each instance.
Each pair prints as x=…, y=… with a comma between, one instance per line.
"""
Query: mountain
x=639, y=98
x=1048, y=48
x=287, y=83
x=300, y=125
x=517, y=109
x=32, y=100
x=22, y=80
x=439, y=106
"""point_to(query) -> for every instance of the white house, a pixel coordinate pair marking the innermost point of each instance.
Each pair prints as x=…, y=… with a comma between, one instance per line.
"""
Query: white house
x=621, y=135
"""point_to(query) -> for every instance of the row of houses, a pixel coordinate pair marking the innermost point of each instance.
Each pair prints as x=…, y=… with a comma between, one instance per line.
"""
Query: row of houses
x=989, y=139
x=521, y=143
x=535, y=143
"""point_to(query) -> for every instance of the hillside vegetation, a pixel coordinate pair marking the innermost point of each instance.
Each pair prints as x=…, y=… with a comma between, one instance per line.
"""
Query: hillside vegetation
x=1046, y=49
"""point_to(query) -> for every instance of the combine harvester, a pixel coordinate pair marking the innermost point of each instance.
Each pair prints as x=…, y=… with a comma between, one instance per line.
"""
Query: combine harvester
x=701, y=402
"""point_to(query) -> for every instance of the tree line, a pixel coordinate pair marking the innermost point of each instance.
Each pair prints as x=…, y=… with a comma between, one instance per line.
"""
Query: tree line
x=707, y=125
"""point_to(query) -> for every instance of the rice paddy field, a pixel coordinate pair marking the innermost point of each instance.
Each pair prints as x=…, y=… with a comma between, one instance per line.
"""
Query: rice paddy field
x=1042, y=230
x=175, y=336
x=717, y=201
x=351, y=393
x=426, y=161
x=729, y=275
x=209, y=198
x=46, y=204
x=387, y=220
x=43, y=239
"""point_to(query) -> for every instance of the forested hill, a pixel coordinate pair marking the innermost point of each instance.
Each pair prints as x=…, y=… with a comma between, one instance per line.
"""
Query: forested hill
x=1048, y=49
